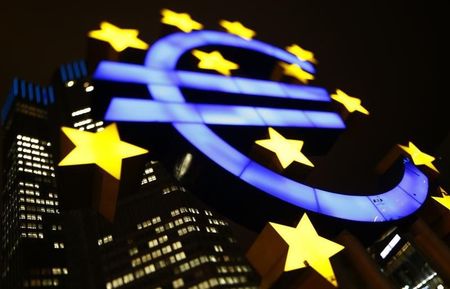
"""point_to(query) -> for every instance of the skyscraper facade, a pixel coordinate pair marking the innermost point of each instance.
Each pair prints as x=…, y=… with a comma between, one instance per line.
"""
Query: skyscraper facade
x=32, y=243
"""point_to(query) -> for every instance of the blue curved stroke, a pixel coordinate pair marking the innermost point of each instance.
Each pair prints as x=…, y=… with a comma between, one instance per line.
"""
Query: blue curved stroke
x=190, y=121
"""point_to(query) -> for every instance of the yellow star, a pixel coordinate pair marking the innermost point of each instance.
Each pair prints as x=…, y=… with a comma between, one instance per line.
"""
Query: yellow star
x=215, y=61
x=238, y=29
x=119, y=38
x=352, y=104
x=182, y=21
x=301, y=53
x=418, y=157
x=297, y=72
x=104, y=149
x=287, y=150
x=307, y=248
x=444, y=200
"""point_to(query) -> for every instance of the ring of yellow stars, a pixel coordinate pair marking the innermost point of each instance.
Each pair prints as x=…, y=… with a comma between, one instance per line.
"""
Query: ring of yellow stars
x=306, y=247
x=238, y=29
x=104, y=149
x=118, y=38
x=287, y=150
x=297, y=72
x=418, y=157
x=182, y=21
x=301, y=53
x=352, y=104
x=214, y=61
x=444, y=200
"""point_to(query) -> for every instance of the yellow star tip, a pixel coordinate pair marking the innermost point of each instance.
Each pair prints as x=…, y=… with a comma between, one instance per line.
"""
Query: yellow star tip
x=295, y=70
x=182, y=21
x=351, y=103
x=286, y=150
x=418, y=157
x=214, y=61
x=307, y=248
x=104, y=149
x=118, y=38
x=444, y=200
x=237, y=28
x=301, y=53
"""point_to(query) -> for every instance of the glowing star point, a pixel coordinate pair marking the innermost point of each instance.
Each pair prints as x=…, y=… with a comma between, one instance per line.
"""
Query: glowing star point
x=287, y=150
x=297, y=72
x=238, y=29
x=118, y=38
x=214, y=61
x=418, y=157
x=301, y=53
x=306, y=247
x=351, y=103
x=104, y=149
x=444, y=200
x=182, y=21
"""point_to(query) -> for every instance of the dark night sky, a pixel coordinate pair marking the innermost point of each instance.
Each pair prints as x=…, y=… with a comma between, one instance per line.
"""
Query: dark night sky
x=383, y=53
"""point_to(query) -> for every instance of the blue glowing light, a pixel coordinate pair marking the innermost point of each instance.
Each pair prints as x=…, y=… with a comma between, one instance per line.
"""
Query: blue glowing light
x=191, y=120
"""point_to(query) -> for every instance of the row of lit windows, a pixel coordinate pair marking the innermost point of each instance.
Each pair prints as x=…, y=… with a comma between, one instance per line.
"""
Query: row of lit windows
x=39, y=201
x=30, y=145
x=33, y=158
x=197, y=262
x=38, y=209
x=32, y=217
x=148, y=179
x=31, y=139
x=58, y=245
x=82, y=122
x=37, y=165
x=81, y=111
x=148, y=269
x=156, y=254
x=36, y=172
x=56, y=227
x=29, y=192
x=49, y=271
x=147, y=223
x=217, y=222
x=172, y=189
x=41, y=283
x=160, y=240
x=182, y=210
x=33, y=152
x=188, y=229
x=32, y=235
x=105, y=240
x=176, y=223
x=233, y=269
x=30, y=185
x=31, y=226
x=213, y=282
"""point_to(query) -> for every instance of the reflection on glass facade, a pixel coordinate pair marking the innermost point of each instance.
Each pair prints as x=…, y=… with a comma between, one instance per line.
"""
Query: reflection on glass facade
x=403, y=264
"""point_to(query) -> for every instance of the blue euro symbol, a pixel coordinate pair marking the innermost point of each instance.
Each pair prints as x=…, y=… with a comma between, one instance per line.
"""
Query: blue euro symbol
x=191, y=119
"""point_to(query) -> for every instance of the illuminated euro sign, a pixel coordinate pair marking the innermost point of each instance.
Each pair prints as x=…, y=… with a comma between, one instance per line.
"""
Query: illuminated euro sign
x=191, y=120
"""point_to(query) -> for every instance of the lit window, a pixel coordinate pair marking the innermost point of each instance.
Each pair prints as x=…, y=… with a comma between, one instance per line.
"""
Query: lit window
x=133, y=251
x=178, y=283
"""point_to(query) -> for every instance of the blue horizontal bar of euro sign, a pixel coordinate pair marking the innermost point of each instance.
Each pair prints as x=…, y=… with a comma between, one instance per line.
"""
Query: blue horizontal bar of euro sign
x=279, y=186
x=132, y=73
x=213, y=146
x=146, y=110
x=143, y=110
